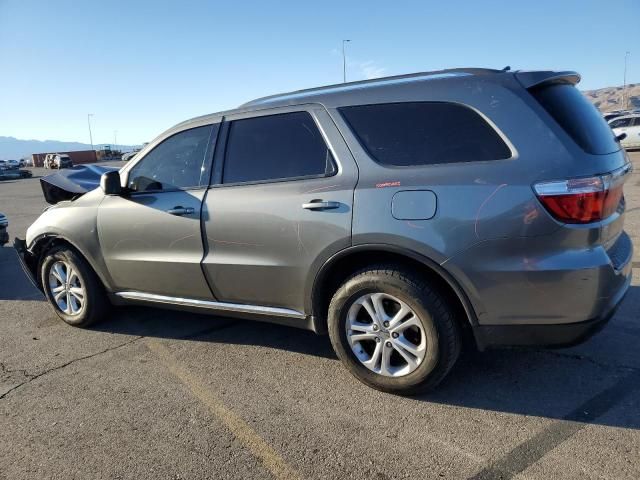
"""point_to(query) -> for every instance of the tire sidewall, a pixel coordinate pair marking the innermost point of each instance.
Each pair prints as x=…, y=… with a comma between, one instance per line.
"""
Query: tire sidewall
x=376, y=282
x=65, y=255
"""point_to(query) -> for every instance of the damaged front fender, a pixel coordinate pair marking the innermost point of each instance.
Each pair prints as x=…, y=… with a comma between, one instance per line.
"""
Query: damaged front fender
x=71, y=183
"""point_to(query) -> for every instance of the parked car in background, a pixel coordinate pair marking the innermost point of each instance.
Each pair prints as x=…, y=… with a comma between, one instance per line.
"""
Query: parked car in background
x=629, y=126
x=48, y=160
x=57, y=160
x=396, y=214
x=4, y=224
x=129, y=155
x=62, y=161
x=8, y=165
x=14, y=173
x=611, y=115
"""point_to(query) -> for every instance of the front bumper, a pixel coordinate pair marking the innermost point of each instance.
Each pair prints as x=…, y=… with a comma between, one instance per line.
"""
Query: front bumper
x=27, y=261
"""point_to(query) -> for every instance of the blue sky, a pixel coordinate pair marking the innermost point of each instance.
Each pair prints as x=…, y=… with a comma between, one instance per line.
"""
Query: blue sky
x=142, y=66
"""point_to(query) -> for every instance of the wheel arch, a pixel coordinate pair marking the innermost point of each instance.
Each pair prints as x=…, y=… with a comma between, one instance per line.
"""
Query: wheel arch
x=346, y=262
x=45, y=242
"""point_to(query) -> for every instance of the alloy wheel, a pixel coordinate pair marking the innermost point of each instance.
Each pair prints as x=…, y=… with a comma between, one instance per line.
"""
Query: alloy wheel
x=66, y=288
x=386, y=335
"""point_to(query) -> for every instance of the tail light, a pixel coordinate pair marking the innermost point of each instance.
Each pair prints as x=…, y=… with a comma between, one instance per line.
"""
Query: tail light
x=583, y=200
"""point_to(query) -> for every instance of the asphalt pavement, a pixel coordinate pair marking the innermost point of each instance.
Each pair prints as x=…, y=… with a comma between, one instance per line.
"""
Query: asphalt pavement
x=170, y=395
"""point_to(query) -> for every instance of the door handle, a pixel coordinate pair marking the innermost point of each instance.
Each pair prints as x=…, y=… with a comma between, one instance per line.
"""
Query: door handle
x=320, y=205
x=179, y=211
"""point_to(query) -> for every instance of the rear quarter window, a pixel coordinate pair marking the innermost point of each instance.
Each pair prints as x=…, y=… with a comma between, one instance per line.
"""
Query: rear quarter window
x=424, y=133
x=578, y=117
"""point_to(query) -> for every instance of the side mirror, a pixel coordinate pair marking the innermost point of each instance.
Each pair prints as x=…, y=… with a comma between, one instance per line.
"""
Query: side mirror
x=110, y=183
x=621, y=137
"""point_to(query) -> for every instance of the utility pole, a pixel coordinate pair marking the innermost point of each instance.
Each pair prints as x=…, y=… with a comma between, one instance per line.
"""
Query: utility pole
x=89, y=115
x=625, y=97
x=115, y=139
x=344, y=62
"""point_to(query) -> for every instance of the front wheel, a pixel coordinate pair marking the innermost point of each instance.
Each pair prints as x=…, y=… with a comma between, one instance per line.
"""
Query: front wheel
x=393, y=331
x=72, y=288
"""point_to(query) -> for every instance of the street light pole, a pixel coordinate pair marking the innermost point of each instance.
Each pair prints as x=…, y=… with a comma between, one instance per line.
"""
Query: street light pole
x=625, y=97
x=115, y=139
x=89, y=115
x=344, y=62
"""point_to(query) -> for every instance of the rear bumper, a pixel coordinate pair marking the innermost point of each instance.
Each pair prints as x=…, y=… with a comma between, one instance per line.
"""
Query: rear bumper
x=27, y=261
x=540, y=291
x=550, y=335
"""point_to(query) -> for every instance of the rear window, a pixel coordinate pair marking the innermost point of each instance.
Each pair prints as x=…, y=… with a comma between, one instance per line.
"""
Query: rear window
x=578, y=117
x=424, y=133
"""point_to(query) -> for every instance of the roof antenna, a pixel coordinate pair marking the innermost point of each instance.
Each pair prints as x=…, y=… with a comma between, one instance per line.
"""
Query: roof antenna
x=506, y=69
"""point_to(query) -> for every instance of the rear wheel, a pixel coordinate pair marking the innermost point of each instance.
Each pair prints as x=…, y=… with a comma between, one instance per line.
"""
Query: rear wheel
x=393, y=331
x=72, y=288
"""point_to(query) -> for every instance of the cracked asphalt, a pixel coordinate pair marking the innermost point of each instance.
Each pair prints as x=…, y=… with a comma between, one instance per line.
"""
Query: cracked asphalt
x=161, y=394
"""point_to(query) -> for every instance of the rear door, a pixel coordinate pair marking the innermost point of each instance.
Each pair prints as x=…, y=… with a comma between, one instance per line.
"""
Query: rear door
x=151, y=237
x=281, y=205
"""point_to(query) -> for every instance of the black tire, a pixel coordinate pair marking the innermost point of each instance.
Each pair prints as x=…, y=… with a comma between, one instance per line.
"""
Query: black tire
x=96, y=305
x=431, y=308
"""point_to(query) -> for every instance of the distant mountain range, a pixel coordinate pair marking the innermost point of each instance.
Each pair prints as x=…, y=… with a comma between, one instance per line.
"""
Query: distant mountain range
x=13, y=148
x=610, y=98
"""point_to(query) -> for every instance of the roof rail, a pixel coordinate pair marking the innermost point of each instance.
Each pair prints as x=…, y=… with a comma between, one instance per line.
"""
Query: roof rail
x=436, y=74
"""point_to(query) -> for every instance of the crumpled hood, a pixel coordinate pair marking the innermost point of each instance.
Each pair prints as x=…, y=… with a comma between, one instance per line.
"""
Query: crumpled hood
x=71, y=183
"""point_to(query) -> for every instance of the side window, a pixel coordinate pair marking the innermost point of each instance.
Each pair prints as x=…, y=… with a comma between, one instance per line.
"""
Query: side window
x=621, y=122
x=424, y=133
x=178, y=162
x=276, y=147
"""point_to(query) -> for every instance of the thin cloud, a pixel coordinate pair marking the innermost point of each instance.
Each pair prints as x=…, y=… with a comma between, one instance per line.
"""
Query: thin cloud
x=358, y=70
x=371, y=69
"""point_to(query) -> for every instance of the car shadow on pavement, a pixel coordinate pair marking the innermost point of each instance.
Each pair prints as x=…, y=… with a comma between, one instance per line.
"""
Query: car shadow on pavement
x=14, y=282
x=594, y=383
x=169, y=324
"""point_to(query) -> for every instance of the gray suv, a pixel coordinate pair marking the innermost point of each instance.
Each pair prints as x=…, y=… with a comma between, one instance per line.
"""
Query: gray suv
x=400, y=215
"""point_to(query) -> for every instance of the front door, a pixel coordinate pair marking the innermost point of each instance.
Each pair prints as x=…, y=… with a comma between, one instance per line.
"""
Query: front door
x=150, y=236
x=282, y=205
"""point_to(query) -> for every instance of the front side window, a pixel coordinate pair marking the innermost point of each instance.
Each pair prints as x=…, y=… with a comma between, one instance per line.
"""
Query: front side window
x=424, y=133
x=276, y=147
x=178, y=162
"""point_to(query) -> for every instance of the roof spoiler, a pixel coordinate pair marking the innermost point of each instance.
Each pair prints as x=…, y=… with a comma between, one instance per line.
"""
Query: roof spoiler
x=530, y=79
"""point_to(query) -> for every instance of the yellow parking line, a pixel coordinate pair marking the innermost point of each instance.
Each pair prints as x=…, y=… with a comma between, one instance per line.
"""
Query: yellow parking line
x=236, y=425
